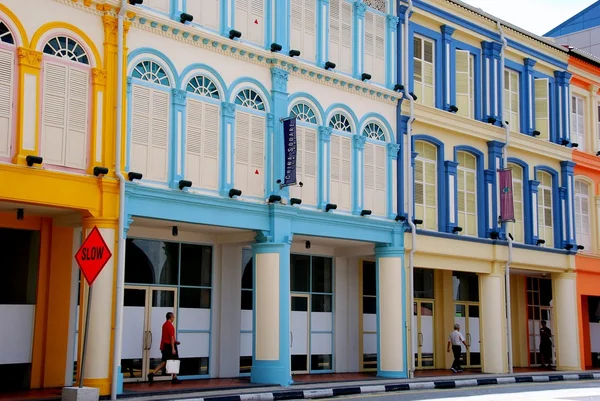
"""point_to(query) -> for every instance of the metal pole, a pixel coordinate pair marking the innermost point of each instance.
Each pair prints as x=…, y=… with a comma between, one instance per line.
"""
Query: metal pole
x=85, y=335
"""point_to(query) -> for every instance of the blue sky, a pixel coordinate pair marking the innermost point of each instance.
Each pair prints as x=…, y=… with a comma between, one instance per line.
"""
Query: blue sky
x=537, y=16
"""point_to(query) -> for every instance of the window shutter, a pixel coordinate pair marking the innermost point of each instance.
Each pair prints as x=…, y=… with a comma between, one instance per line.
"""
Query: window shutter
x=306, y=170
x=341, y=173
x=369, y=189
x=346, y=174
x=380, y=181
x=541, y=108
x=336, y=162
x=511, y=99
x=249, y=154
x=249, y=20
x=205, y=12
x=159, y=139
x=202, y=147
x=140, y=129
x=55, y=108
x=161, y=5
x=375, y=46
x=242, y=151
x=6, y=101
x=340, y=34
x=463, y=91
x=303, y=28
x=77, y=118
x=577, y=122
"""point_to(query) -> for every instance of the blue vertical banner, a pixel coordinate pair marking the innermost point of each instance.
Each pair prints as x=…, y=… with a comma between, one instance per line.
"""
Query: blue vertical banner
x=290, y=148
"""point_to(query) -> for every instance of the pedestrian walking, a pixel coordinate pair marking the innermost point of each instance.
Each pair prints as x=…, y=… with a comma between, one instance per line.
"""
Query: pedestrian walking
x=546, y=345
x=455, y=340
x=168, y=347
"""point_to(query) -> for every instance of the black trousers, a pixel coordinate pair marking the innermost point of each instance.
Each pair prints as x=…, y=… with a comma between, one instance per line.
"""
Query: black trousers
x=456, y=350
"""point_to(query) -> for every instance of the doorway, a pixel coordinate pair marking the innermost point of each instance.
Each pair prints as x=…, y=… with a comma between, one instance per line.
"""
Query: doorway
x=144, y=313
x=423, y=334
x=466, y=314
x=539, y=308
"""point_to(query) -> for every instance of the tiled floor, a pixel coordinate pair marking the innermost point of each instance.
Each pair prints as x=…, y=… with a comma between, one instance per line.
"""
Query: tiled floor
x=46, y=394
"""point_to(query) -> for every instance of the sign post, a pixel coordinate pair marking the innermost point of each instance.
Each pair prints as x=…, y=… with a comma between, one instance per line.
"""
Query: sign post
x=290, y=148
x=91, y=257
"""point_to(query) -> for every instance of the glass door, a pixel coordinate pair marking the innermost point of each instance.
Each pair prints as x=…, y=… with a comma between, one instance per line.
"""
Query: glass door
x=144, y=313
x=467, y=316
x=300, y=333
x=422, y=334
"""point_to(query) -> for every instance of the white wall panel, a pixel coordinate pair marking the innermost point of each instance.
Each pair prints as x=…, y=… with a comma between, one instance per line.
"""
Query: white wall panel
x=16, y=333
x=369, y=322
x=194, y=319
x=320, y=344
x=246, y=320
x=321, y=321
x=194, y=345
x=246, y=344
x=133, y=332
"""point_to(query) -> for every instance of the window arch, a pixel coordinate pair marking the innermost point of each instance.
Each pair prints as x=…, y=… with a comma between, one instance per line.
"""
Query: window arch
x=374, y=131
x=204, y=86
x=304, y=112
x=67, y=49
x=545, y=208
x=340, y=122
x=251, y=99
x=518, y=229
x=582, y=214
x=66, y=103
x=426, y=186
x=379, y=5
x=151, y=71
x=6, y=36
x=467, y=192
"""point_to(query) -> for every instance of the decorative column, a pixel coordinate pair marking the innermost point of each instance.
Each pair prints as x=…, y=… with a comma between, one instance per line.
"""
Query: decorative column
x=227, y=159
x=528, y=119
x=560, y=230
x=451, y=173
x=492, y=94
x=401, y=127
x=282, y=18
x=99, y=351
x=402, y=17
x=358, y=171
x=27, y=117
x=493, y=318
x=568, y=182
x=279, y=94
x=98, y=91
x=533, y=194
x=324, y=165
x=271, y=361
x=177, y=154
x=566, y=327
x=492, y=190
x=393, y=150
x=447, y=63
x=391, y=308
x=359, y=39
x=563, y=104
x=322, y=35
x=391, y=77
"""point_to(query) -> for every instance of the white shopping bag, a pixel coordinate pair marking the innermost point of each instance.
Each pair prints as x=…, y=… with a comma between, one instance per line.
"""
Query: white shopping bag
x=173, y=367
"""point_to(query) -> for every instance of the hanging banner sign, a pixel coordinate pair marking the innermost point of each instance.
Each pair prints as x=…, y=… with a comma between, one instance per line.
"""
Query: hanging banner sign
x=290, y=148
x=507, y=206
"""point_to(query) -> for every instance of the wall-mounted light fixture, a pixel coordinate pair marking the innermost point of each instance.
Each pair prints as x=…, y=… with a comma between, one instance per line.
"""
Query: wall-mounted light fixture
x=234, y=192
x=399, y=217
x=330, y=206
x=295, y=201
x=417, y=222
x=412, y=94
x=185, y=17
x=276, y=47
x=175, y=231
x=456, y=229
x=568, y=247
x=598, y=153
x=540, y=242
x=135, y=2
x=274, y=198
x=536, y=133
x=365, y=77
x=329, y=65
x=398, y=87
x=134, y=176
x=491, y=120
x=580, y=247
x=564, y=142
x=31, y=160
x=365, y=212
x=307, y=244
x=452, y=108
x=234, y=34
x=184, y=184
x=20, y=214
x=494, y=235
x=574, y=145
x=294, y=53
x=98, y=171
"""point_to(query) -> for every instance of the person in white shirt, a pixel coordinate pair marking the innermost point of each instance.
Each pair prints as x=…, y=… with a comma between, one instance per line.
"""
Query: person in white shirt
x=455, y=339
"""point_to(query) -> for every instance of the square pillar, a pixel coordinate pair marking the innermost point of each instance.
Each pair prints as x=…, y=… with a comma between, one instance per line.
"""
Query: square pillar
x=567, y=177
x=566, y=335
x=493, y=322
x=528, y=119
x=358, y=142
x=358, y=55
x=533, y=195
x=495, y=149
x=447, y=63
x=451, y=172
x=178, y=137
x=492, y=93
x=563, y=104
x=226, y=159
x=279, y=94
x=391, y=51
x=325, y=166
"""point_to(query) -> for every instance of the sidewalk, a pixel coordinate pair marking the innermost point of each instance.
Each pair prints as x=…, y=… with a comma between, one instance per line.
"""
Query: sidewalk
x=374, y=385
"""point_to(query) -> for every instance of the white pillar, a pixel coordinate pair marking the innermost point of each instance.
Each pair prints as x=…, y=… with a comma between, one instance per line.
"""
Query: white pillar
x=493, y=327
x=566, y=335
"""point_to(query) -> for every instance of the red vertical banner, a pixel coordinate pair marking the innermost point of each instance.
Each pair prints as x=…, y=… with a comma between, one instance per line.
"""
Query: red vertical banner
x=507, y=206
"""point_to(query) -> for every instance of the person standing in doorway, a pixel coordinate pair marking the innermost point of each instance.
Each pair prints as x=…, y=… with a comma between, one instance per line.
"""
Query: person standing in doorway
x=546, y=345
x=168, y=347
x=455, y=339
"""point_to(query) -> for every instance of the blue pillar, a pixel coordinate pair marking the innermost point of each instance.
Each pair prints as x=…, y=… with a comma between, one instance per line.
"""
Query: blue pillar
x=359, y=39
x=393, y=150
x=324, y=166
x=492, y=93
x=413, y=158
x=358, y=172
x=282, y=18
x=568, y=184
x=492, y=179
x=322, y=32
x=279, y=95
x=447, y=62
x=226, y=158
x=392, y=56
x=401, y=126
x=535, y=224
x=227, y=16
x=176, y=7
x=399, y=53
x=563, y=104
x=176, y=166
x=528, y=100
x=451, y=185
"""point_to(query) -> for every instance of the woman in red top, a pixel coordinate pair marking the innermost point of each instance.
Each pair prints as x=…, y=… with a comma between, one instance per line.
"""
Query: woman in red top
x=168, y=347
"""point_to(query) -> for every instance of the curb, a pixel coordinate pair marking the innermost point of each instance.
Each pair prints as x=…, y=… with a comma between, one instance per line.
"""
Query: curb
x=385, y=388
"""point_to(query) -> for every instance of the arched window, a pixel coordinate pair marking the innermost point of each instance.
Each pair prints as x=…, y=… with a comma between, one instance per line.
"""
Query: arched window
x=306, y=154
x=379, y=5
x=303, y=112
x=340, y=122
x=150, y=120
x=374, y=131
x=582, y=214
x=426, y=184
x=7, y=89
x=518, y=229
x=340, y=180
x=545, y=211
x=467, y=192
x=202, y=135
x=250, y=143
x=66, y=105
x=375, y=194
x=251, y=99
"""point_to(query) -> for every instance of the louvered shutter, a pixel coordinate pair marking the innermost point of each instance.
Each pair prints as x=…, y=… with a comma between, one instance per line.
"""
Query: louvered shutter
x=303, y=28
x=140, y=129
x=471, y=203
x=428, y=58
x=55, y=109
x=375, y=46
x=461, y=204
x=341, y=172
x=202, y=144
x=159, y=145
x=6, y=101
x=430, y=195
x=161, y=5
x=242, y=151
x=205, y=12
x=541, y=108
x=582, y=214
x=249, y=154
x=306, y=170
x=369, y=181
x=340, y=34
x=249, y=20
x=77, y=118
x=463, y=91
x=375, y=179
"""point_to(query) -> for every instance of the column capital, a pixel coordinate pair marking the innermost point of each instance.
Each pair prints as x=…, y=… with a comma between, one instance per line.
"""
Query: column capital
x=534, y=184
x=359, y=141
x=388, y=250
x=529, y=63
x=179, y=97
x=325, y=133
x=228, y=109
x=29, y=58
x=101, y=222
x=393, y=22
x=451, y=166
x=594, y=89
x=393, y=150
x=360, y=8
x=280, y=79
x=562, y=77
x=567, y=167
x=447, y=31
x=99, y=76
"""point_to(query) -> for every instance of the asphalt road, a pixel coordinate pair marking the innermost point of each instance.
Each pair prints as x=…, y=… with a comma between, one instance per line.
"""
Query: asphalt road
x=552, y=391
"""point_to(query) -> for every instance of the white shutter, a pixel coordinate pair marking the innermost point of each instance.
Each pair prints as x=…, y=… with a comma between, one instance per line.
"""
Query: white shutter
x=369, y=180
x=375, y=46
x=303, y=28
x=541, y=108
x=202, y=144
x=375, y=179
x=341, y=172
x=340, y=34
x=162, y=5
x=463, y=90
x=250, y=19
x=249, y=154
x=6, y=101
x=306, y=170
x=140, y=129
x=582, y=215
x=511, y=99
x=577, y=122
x=54, y=117
x=206, y=12
x=77, y=118
x=159, y=139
